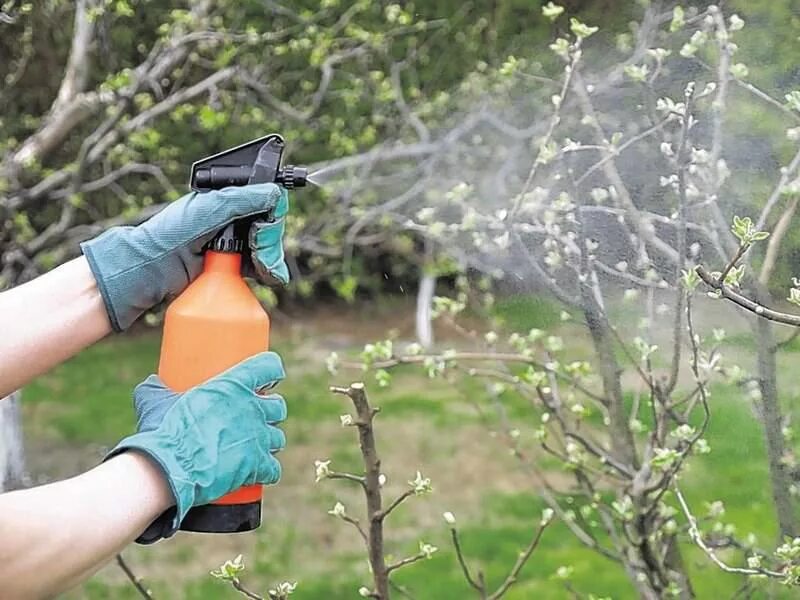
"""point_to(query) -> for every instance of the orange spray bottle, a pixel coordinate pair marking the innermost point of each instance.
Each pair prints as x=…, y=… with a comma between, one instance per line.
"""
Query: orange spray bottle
x=217, y=321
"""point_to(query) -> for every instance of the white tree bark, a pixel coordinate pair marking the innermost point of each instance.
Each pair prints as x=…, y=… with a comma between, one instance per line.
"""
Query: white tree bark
x=12, y=455
x=424, y=320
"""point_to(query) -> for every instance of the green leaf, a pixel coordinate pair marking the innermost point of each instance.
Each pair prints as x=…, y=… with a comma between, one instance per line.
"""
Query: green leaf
x=677, y=19
x=123, y=9
x=346, y=287
x=793, y=100
x=580, y=29
x=636, y=72
x=211, y=119
x=552, y=11
x=561, y=48
x=690, y=279
x=739, y=70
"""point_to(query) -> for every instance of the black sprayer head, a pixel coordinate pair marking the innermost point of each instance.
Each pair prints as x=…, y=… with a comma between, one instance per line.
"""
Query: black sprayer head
x=258, y=161
x=292, y=176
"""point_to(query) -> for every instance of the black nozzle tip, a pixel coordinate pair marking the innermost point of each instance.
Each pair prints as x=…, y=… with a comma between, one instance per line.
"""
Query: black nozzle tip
x=292, y=176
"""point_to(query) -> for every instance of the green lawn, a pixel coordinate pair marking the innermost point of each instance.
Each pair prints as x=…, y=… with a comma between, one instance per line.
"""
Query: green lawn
x=423, y=425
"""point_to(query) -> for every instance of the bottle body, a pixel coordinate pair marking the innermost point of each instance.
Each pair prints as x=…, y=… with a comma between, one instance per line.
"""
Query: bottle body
x=214, y=324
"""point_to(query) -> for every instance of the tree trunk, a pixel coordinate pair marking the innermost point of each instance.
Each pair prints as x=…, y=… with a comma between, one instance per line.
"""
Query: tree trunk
x=12, y=456
x=780, y=480
x=673, y=561
x=424, y=317
x=650, y=568
x=602, y=339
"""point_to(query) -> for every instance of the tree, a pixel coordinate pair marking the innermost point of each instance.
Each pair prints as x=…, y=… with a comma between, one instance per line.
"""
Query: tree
x=585, y=215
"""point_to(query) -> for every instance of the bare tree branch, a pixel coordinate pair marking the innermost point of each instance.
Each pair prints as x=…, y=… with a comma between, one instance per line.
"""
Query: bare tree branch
x=478, y=586
x=135, y=580
x=697, y=538
x=76, y=73
x=775, y=240
x=522, y=559
x=747, y=303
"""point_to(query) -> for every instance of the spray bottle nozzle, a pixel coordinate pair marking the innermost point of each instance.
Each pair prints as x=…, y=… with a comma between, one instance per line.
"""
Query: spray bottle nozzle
x=292, y=176
x=258, y=161
x=216, y=178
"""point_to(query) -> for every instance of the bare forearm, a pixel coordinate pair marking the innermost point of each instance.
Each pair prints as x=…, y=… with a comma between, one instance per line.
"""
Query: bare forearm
x=53, y=536
x=48, y=320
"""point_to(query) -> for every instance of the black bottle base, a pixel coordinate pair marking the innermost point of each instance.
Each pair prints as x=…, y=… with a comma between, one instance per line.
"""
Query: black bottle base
x=223, y=518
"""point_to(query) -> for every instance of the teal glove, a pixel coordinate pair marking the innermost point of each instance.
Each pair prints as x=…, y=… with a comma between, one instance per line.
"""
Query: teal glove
x=266, y=245
x=212, y=439
x=138, y=267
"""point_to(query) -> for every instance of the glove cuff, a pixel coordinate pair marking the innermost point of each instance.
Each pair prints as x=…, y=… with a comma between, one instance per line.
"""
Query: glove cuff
x=88, y=250
x=182, y=489
x=129, y=278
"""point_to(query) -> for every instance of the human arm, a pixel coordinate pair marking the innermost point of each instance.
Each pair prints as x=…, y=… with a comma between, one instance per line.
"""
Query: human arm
x=47, y=320
x=55, y=535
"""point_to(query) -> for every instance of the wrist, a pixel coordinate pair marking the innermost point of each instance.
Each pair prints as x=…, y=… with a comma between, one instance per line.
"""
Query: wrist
x=151, y=448
x=155, y=488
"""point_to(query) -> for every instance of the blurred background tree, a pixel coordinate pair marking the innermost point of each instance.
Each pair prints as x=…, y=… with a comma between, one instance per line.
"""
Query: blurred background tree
x=102, y=119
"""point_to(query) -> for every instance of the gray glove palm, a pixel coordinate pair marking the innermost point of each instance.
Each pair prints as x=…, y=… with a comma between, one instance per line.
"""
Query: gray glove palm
x=138, y=267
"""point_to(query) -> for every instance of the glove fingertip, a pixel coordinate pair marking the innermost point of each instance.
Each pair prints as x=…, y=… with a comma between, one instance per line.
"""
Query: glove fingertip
x=271, y=471
x=281, y=273
x=269, y=366
x=260, y=371
x=273, y=407
x=277, y=439
x=150, y=384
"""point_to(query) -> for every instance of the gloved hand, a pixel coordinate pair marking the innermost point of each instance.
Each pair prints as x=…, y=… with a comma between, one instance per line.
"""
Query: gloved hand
x=212, y=439
x=138, y=267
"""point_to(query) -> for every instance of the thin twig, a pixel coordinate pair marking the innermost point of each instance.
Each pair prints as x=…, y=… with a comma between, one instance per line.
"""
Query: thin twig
x=357, y=524
x=464, y=567
x=745, y=302
x=348, y=476
x=740, y=251
x=683, y=201
x=616, y=151
x=135, y=580
x=401, y=590
x=555, y=119
x=697, y=538
x=244, y=591
x=406, y=561
x=510, y=357
x=511, y=579
x=397, y=501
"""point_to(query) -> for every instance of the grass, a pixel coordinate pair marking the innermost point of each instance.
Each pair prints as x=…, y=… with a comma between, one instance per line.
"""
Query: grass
x=423, y=424
x=520, y=312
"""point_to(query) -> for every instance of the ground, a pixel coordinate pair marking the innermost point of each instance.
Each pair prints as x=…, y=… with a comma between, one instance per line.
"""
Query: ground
x=73, y=414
